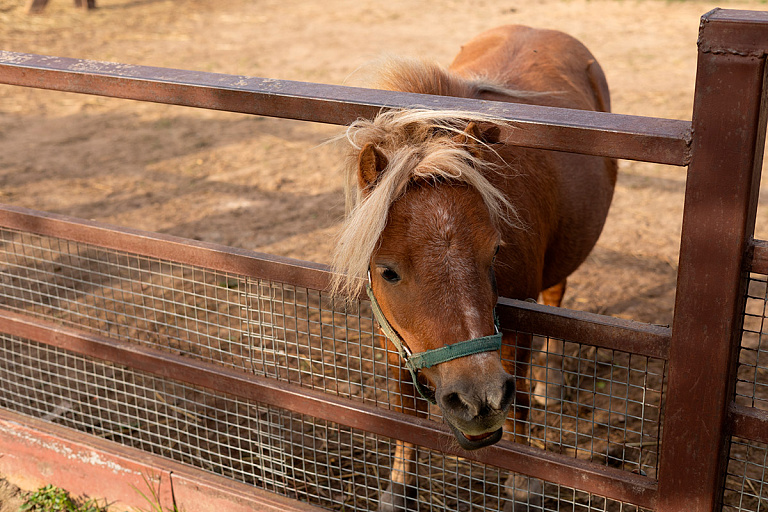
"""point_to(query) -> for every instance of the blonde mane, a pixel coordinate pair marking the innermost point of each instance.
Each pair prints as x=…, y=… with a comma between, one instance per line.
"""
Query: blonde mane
x=418, y=144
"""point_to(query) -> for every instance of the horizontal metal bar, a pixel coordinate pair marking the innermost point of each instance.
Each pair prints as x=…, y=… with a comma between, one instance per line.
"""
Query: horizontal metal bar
x=587, y=328
x=576, y=326
x=758, y=257
x=596, y=133
x=168, y=247
x=583, y=475
x=749, y=423
x=734, y=32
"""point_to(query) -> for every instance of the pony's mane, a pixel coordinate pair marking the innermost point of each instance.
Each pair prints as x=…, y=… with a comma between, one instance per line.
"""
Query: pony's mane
x=418, y=144
x=427, y=77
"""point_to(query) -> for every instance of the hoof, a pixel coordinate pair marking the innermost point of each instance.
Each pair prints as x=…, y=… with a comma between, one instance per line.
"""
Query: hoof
x=398, y=498
x=550, y=393
x=525, y=494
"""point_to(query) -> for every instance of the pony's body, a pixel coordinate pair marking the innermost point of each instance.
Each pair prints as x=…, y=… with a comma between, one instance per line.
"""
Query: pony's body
x=450, y=217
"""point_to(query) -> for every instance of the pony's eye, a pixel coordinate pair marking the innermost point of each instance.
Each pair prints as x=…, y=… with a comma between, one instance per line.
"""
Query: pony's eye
x=389, y=275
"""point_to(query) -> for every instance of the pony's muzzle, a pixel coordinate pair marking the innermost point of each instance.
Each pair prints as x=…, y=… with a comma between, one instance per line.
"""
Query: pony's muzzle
x=475, y=408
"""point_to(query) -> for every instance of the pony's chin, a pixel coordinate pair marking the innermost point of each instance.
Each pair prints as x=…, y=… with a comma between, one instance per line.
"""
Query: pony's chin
x=476, y=442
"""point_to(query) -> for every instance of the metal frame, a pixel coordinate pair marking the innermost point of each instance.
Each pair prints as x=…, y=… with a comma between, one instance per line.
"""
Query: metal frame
x=722, y=148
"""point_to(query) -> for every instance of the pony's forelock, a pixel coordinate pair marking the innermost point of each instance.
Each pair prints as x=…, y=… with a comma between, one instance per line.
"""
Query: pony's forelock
x=418, y=144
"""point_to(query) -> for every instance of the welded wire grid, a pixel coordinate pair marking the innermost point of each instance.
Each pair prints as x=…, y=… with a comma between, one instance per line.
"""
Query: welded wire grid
x=752, y=376
x=745, y=487
x=611, y=407
x=295, y=455
x=610, y=413
x=125, y=296
x=746, y=484
x=260, y=326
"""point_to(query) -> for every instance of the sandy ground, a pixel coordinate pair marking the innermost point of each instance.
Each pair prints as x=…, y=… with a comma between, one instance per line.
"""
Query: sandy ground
x=10, y=497
x=271, y=185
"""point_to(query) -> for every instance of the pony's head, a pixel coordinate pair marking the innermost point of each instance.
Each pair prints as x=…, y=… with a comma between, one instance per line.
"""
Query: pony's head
x=425, y=226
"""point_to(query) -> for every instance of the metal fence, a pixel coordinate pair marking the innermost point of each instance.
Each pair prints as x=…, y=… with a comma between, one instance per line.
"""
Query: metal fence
x=240, y=364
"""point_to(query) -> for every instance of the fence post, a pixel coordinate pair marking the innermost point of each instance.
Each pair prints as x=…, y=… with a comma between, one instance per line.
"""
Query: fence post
x=729, y=122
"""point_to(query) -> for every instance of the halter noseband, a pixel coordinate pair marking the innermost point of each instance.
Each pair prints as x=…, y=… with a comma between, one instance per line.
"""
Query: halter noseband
x=429, y=358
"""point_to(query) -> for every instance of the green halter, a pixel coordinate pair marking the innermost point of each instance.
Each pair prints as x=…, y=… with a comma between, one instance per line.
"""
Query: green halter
x=429, y=358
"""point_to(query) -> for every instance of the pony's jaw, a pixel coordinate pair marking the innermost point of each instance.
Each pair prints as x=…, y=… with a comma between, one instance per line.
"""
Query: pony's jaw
x=470, y=443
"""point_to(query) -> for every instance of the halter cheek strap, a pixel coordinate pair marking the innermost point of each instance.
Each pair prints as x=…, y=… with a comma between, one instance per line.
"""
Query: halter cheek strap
x=429, y=358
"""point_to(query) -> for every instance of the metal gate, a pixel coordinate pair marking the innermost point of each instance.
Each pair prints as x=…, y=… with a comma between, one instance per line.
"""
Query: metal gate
x=237, y=369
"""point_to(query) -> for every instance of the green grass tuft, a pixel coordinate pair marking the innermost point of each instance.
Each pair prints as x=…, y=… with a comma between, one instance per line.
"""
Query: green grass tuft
x=53, y=499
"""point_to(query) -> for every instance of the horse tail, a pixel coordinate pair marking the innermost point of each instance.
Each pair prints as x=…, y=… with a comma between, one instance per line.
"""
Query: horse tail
x=599, y=86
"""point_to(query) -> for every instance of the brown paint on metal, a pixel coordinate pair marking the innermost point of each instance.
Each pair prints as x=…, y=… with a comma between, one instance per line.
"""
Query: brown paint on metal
x=720, y=204
x=749, y=423
x=585, y=476
x=758, y=257
x=45, y=453
x=587, y=328
x=734, y=32
x=578, y=131
x=575, y=326
x=167, y=247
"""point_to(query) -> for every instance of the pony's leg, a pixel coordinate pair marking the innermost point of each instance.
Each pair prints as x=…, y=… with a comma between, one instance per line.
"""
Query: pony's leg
x=549, y=375
x=525, y=493
x=400, y=494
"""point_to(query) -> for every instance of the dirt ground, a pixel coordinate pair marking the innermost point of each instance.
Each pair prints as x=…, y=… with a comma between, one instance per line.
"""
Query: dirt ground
x=271, y=185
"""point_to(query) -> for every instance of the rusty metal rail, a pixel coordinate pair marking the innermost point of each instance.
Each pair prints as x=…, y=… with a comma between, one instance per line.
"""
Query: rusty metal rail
x=604, y=481
x=577, y=326
x=579, y=131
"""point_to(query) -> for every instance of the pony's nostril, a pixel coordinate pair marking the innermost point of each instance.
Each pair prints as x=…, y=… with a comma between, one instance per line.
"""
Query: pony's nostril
x=452, y=400
x=459, y=405
x=479, y=401
x=508, y=393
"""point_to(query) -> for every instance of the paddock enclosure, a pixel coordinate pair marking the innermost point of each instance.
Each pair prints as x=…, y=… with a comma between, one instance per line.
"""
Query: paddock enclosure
x=231, y=379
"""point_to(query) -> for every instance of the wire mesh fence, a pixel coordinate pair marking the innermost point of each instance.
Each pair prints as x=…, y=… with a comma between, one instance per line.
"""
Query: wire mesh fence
x=745, y=485
x=752, y=379
x=611, y=411
x=610, y=414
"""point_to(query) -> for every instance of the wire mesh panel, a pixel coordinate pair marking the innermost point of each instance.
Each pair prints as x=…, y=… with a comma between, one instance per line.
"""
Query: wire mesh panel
x=610, y=414
x=746, y=485
x=126, y=296
x=292, y=454
x=752, y=380
x=611, y=410
x=268, y=328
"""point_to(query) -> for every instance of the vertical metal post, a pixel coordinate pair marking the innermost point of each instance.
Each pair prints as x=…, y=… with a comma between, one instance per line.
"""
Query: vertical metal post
x=720, y=204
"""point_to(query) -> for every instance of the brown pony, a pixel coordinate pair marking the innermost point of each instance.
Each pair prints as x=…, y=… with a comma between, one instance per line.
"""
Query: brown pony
x=447, y=217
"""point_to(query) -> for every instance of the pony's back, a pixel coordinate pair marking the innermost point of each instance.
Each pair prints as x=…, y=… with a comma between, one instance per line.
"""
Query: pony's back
x=536, y=60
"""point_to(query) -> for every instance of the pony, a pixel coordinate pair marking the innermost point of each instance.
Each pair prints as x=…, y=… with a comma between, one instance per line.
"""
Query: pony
x=445, y=216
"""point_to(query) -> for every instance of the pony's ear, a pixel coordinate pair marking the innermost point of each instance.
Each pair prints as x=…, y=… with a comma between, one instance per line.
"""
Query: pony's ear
x=475, y=137
x=370, y=164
